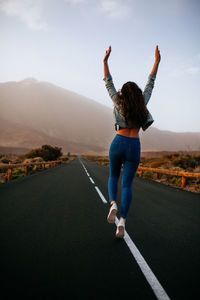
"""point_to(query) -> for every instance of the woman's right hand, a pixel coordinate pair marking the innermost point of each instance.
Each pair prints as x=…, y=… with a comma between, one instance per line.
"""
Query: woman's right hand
x=107, y=55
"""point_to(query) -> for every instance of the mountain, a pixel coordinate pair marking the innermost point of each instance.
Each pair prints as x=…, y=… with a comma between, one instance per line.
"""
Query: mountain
x=33, y=113
x=164, y=140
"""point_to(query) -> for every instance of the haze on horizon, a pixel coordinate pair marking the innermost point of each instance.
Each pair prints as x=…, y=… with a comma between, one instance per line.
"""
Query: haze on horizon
x=64, y=41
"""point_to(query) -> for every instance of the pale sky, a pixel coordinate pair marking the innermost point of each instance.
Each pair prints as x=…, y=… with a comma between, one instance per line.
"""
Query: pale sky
x=64, y=41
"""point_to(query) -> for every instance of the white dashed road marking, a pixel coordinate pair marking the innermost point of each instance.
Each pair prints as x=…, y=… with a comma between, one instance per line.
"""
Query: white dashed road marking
x=91, y=180
x=100, y=194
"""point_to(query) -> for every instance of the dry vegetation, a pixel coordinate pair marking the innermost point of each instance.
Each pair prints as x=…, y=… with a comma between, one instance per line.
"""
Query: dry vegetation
x=176, y=161
x=101, y=160
x=18, y=159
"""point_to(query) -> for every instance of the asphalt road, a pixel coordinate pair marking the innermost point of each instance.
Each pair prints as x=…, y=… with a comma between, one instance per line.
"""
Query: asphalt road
x=55, y=238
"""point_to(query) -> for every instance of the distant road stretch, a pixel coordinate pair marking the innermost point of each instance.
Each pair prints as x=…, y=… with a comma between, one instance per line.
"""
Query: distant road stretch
x=55, y=237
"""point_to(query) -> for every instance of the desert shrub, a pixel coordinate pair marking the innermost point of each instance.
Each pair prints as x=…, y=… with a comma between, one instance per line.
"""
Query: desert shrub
x=47, y=152
x=65, y=158
x=187, y=161
x=33, y=160
x=156, y=164
x=176, y=181
x=17, y=173
x=101, y=160
x=5, y=161
x=37, y=168
x=171, y=156
x=147, y=175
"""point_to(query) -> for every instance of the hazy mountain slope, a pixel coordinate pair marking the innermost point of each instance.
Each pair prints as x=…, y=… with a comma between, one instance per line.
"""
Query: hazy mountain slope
x=56, y=113
x=29, y=138
x=33, y=113
x=155, y=139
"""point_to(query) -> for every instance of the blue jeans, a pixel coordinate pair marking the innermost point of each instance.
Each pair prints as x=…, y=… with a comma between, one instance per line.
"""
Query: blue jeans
x=123, y=150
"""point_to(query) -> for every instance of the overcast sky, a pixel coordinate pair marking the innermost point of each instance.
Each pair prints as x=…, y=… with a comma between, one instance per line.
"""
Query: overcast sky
x=64, y=41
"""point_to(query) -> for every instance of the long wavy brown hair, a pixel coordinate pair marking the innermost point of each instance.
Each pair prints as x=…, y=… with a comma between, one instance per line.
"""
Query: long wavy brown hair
x=131, y=104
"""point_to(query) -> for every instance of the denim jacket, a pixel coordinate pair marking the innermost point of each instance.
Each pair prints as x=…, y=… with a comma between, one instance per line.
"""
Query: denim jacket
x=119, y=119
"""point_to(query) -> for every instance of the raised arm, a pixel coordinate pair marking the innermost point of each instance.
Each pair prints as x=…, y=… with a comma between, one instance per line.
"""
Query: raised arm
x=108, y=78
x=150, y=83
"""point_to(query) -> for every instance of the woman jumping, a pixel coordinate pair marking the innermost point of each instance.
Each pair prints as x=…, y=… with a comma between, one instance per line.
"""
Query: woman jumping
x=130, y=114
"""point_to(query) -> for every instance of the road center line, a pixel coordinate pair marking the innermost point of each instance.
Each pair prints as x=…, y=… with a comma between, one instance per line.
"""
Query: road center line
x=91, y=180
x=87, y=172
x=146, y=270
x=157, y=288
x=100, y=194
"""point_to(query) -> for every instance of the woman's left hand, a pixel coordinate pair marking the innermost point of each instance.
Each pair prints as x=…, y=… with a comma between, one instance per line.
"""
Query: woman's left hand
x=107, y=55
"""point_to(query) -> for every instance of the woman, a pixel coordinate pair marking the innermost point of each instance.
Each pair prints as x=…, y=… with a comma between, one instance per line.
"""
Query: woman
x=130, y=114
